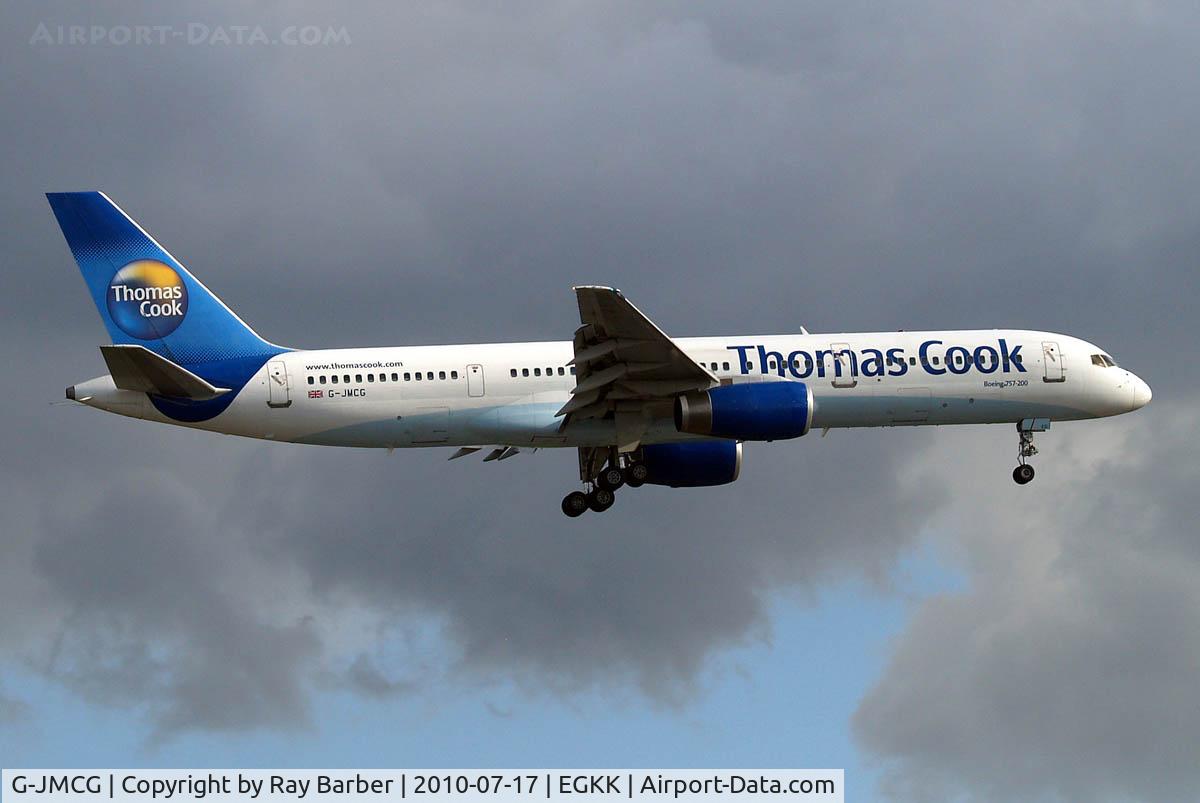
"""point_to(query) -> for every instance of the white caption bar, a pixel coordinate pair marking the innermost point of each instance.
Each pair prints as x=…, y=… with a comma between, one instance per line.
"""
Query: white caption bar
x=422, y=786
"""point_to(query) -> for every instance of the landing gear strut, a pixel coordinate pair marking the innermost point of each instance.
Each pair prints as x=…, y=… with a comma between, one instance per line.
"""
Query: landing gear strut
x=621, y=470
x=1023, y=473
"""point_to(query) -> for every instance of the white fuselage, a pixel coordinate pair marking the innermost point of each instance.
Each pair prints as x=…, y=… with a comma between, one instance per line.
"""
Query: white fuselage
x=508, y=393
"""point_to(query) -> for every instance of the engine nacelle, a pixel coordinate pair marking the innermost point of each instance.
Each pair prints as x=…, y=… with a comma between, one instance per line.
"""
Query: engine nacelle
x=750, y=411
x=693, y=465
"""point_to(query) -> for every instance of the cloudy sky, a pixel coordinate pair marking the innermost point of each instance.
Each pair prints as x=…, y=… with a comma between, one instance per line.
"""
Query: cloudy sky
x=889, y=602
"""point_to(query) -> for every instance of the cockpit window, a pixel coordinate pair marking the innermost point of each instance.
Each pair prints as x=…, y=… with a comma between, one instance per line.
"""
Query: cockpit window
x=1104, y=361
x=1111, y=362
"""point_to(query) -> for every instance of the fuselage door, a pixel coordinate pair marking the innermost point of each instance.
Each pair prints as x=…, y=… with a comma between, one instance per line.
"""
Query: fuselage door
x=475, y=380
x=278, y=393
x=1052, y=360
x=843, y=366
x=910, y=405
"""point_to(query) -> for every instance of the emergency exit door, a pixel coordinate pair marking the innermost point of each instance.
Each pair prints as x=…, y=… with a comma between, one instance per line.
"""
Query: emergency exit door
x=474, y=380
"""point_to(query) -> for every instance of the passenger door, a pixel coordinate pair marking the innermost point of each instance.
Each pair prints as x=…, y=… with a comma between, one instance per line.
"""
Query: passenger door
x=278, y=392
x=843, y=366
x=1052, y=361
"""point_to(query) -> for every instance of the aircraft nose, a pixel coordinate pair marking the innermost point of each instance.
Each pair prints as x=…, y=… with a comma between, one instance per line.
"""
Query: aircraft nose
x=1141, y=394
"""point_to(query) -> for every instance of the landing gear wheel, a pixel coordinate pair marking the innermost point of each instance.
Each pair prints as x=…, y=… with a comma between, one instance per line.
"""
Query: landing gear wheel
x=636, y=474
x=601, y=499
x=1023, y=474
x=610, y=478
x=575, y=504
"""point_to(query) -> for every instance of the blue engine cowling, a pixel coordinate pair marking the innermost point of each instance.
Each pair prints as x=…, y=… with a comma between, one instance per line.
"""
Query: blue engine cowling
x=693, y=465
x=749, y=411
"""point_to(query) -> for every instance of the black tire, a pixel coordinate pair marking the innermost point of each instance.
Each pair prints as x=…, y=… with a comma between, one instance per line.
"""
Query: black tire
x=636, y=475
x=575, y=504
x=1023, y=474
x=601, y=499
x=610, y=479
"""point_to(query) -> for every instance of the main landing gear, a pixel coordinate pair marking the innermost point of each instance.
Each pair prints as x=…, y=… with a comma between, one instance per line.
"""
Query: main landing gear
x=1023, y=473
x=621, y=471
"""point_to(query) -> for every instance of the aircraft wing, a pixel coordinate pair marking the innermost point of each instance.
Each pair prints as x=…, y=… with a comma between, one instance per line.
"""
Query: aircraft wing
x=626, y=366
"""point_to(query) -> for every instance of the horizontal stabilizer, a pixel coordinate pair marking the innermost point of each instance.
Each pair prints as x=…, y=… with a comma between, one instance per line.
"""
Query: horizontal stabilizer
x=137, y=368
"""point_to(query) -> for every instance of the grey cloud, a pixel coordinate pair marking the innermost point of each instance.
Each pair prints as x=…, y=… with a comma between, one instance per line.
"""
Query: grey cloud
x=1068, y=665
x=142, y=572
x=364, y=676
x=449, y=175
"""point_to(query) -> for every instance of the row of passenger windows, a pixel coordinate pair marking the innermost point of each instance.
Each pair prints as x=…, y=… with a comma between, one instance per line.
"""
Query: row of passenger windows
x=407, y=376
x=429, y=376
x=513, y=372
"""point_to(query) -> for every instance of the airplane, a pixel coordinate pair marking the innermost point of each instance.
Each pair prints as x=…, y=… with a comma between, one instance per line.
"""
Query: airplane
x=639, y=407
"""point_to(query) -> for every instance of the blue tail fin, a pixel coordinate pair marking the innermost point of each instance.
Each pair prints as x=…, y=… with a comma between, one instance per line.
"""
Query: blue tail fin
x=145, y=297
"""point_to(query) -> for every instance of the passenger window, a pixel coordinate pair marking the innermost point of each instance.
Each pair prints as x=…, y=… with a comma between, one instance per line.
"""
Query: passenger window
x=322, y=379
x=346, y=378
x=512, y=372
x=334, y=379
x=562, y=371
x=310, y=380
x=724, y=366
x=357, y=379
x=772, y=364
x=370, y=377
x=1018, y=359
x=937, y=360
x=417, y=376
x=537, y=371
x=395, y=377
x=429, y=375
x=572, y=370
x=407, y=377
x=441, y=374
x=912, y=360
x=524, y=372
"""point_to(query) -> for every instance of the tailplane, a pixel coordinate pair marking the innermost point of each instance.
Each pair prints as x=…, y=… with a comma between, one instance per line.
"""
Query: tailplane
x=147, y=298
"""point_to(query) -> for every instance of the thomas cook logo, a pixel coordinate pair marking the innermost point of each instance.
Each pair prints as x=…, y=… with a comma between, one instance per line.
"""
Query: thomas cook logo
x=147, y=299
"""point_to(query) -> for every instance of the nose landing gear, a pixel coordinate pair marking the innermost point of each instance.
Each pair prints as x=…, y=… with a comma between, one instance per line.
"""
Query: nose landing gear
x=1023, y=473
